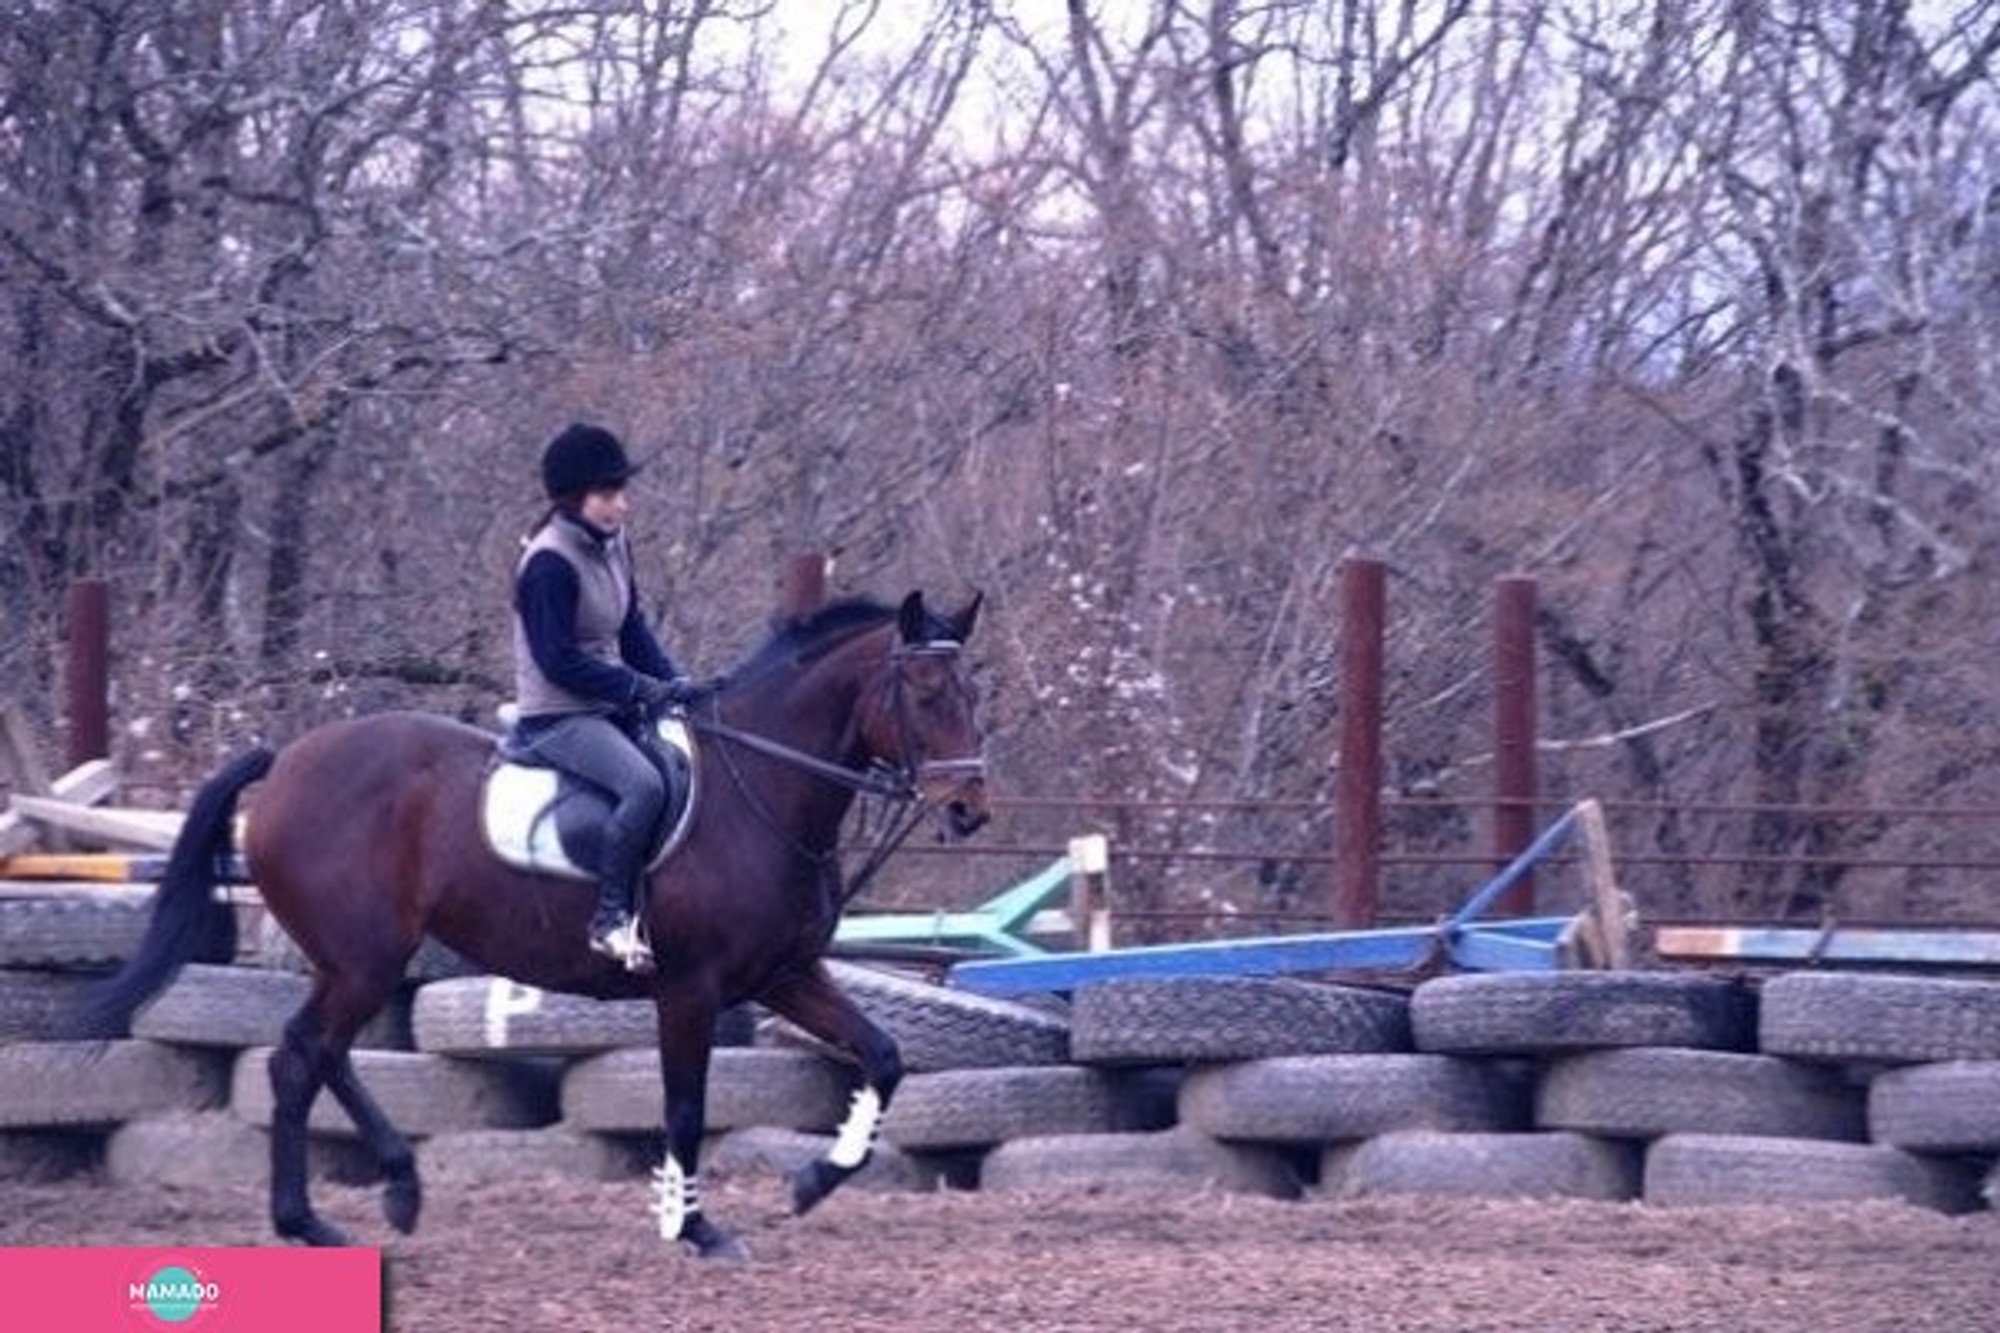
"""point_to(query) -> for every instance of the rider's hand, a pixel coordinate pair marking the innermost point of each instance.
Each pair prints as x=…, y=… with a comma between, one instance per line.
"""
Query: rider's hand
x=655, y=694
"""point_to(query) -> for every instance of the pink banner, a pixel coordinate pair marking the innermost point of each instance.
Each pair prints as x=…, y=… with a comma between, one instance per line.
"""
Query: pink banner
x=202, y=1290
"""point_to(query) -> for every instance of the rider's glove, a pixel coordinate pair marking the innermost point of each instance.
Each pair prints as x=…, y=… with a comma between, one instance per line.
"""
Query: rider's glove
x=656, y=694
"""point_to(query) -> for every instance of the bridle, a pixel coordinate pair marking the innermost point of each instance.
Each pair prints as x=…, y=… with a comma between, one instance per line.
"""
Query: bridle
x=965, y=769
x=902, y=785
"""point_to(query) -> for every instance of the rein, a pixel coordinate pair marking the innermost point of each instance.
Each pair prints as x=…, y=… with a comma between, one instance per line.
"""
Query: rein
x=891, y=785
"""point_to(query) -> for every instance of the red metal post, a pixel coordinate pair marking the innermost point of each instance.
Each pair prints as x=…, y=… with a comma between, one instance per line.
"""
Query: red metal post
x=87, y=674
x=1358, y=784
x=1514, y=734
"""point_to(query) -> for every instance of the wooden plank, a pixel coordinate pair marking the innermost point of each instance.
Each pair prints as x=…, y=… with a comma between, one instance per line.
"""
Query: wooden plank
x=151, y=829
x=21, y=769
x=97, y=867
x=75, y=888
x=1378, y=949
x=1504, y=951
x=1524, y=943
x=86, y=784
x=1840, y=944
x=974, y=930
x=1604, y=939
x=996, y=925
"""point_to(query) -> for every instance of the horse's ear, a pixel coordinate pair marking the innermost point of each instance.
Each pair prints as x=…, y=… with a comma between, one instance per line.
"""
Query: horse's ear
x=914, y=622
x=962, y=622
x=919, y=625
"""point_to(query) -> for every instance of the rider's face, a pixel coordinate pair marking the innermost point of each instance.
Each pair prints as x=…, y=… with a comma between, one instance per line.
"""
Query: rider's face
x=605, y=508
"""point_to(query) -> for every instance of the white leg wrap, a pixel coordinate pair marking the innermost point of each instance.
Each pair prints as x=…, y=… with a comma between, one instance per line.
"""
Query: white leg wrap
x=676, y=1197
x=857, y=1132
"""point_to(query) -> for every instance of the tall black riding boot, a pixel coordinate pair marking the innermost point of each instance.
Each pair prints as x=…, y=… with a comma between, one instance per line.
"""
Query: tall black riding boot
x=614, y=928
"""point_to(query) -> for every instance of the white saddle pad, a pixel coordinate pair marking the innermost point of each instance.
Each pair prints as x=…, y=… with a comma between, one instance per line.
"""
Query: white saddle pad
x=517, y=817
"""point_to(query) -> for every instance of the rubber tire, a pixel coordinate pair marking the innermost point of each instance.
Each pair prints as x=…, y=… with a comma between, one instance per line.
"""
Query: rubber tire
x=43, y=1157
x=1647, y=1093
x=205, y=1149
x=976, y=1108
x=75, y=1083
x=1556, y=1165
x=1698, y=1170
x=1532, y=1013
x=71, y=931
x=238, y=1007
x=1165, y=1020
x=487, y=1015
x=1879, y=1018
x=1179, y=1160
x=620, y=1091
x=935, y=1027
x=431, y=962
x=1319, y=1099
x=1950, y=1107
x=422, y=1094
x=41, y=1006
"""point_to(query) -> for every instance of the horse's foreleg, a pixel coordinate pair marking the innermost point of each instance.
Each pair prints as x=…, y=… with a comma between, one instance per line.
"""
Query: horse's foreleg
x=685, y=1042
x=298, y=1068
x=812, y=1000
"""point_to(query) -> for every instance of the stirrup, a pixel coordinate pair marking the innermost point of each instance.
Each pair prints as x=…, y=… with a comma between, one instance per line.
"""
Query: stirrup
x=623, y=944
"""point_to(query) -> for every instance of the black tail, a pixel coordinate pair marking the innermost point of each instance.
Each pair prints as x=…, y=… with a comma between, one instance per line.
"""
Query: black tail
x=188, y=924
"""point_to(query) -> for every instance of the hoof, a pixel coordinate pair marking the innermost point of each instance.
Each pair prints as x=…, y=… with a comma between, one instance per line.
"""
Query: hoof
x=705, y=1240
x=402, y=1200
x=309, y=1230
x=813, y=1182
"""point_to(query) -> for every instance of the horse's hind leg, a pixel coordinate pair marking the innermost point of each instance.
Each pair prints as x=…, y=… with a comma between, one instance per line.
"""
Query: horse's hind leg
x=313, y=1055
x=815, y=1003
x=298, y=1068
x=403, y=1195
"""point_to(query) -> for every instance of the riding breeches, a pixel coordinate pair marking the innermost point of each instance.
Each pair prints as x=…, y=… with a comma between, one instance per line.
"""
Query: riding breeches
x=599, y=751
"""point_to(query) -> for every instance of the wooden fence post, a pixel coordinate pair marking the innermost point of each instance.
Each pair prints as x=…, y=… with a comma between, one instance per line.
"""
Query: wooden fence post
x=1090, y=891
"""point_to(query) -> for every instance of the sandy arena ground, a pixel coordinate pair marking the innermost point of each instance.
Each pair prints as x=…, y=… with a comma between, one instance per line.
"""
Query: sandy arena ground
x=570, y=1256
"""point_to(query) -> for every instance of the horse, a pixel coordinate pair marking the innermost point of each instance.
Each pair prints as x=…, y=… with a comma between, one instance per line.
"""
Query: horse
x=364, y=837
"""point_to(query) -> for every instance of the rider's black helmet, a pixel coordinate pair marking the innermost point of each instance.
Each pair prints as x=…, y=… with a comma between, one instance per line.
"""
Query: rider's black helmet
x=584, y=458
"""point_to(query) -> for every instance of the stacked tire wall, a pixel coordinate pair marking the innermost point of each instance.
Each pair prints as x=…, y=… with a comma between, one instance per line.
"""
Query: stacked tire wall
x=1668, y=1087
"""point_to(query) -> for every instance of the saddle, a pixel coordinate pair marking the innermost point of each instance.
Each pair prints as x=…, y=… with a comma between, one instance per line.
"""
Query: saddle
x=539, y=819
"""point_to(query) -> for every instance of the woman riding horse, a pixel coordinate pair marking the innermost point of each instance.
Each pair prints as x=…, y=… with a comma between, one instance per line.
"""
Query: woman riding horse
x=364, y=837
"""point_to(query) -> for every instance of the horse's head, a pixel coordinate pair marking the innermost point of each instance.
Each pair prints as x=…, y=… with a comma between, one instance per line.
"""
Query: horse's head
x=924, y=719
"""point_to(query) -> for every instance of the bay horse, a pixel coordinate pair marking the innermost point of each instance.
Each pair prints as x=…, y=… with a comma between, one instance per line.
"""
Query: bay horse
x=364, y=836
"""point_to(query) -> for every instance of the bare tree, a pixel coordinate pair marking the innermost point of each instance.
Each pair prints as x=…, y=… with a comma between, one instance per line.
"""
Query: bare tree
x=1142, y=318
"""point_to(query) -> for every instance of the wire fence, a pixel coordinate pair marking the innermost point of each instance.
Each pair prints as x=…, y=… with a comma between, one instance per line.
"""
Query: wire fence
x=1201, y=867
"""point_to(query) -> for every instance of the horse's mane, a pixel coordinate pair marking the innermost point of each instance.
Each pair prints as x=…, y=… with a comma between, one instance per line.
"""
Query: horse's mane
x=801, y=638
